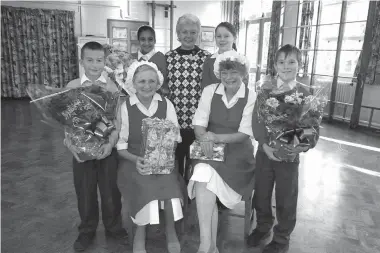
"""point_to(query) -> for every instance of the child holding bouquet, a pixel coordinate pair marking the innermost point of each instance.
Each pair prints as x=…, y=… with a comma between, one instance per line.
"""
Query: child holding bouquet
x=144, y=191
x=103, y=171
x=270, y=169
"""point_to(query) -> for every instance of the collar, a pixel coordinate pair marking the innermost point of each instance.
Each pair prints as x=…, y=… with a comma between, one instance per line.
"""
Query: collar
x=148, y=55
x=193, y=51
x=239, y=94
x=217, y=53
x=84, y=79
x=135, y=100
x=291, y=84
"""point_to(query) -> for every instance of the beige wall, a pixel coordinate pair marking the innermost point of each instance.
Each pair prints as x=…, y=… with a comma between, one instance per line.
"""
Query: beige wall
x=91, y=17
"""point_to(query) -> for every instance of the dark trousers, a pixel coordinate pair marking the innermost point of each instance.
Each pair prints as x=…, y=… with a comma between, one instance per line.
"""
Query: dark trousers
x=285, y=175
x=183, y=149
x=87, y=176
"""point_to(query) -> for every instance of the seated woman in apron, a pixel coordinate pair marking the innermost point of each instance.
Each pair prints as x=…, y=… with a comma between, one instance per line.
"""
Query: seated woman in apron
x=142, y=191
x=223, y=116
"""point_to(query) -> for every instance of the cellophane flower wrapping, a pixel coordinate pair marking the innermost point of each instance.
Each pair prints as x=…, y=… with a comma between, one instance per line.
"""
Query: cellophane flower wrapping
x=291, y=117
x=117, y=64
x=197, y=153
x=159, y=139
x=86, y=114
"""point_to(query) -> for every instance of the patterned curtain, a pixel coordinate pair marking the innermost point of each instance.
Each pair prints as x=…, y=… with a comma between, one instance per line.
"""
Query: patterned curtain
x=305, y=34
x=274, y=37
x=38, y=46
x=372, y=76
x=231, y=13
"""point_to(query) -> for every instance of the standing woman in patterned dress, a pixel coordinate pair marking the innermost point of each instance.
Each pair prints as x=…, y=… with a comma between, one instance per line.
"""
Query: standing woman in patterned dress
x=185, y=65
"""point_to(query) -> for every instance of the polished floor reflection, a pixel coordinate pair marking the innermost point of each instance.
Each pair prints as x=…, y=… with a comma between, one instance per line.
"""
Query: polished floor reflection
x=338, y=210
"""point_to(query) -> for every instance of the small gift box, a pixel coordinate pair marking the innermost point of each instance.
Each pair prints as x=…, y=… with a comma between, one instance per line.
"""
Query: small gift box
x=218, y=152
x=159, y=138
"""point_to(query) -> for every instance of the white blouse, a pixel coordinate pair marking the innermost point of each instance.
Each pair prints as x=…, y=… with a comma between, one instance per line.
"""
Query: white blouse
x=133, y=100
x=201, y=117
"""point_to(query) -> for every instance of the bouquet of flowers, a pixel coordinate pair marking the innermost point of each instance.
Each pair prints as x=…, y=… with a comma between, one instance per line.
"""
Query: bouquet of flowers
x=158, y=145
x=117, y=64
x=85, y=113
x=292, y=116
x=218, y=152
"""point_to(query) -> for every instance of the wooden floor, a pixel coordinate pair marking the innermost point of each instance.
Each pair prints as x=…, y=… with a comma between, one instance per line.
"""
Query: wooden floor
x=338, y=211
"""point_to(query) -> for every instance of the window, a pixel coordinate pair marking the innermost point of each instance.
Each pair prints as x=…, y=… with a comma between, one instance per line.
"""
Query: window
x=323, y=29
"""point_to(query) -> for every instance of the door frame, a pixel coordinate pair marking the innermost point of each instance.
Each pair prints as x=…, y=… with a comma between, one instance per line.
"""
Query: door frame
x=261, y=21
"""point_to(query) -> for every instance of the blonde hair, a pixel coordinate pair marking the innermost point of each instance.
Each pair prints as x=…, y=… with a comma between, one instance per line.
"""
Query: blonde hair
x=188, y=19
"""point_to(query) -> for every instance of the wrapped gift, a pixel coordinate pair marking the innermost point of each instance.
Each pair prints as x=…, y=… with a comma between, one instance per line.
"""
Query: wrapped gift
x=295, y=138
x=85, y=113
x=159, y=138
x=197, y=153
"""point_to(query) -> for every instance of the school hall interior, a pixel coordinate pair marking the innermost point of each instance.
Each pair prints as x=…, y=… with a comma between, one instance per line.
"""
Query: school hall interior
x=339, y=180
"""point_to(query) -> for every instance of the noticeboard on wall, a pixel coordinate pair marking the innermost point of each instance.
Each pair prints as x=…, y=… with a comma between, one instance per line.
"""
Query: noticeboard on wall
x=123, y=33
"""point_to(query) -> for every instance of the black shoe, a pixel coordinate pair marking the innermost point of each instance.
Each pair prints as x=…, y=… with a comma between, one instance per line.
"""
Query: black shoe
x=118, y=235
x=83, y=241
x=275, y=247
x=257, y=237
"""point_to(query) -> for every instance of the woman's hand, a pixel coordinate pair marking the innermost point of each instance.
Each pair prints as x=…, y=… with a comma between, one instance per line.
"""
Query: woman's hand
x=141, y=167
x=269, y=152
x=209, y=136
x=207, y=148
x=207, y=141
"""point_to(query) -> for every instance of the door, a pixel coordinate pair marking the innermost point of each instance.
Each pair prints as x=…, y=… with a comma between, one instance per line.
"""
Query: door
x=256, y=47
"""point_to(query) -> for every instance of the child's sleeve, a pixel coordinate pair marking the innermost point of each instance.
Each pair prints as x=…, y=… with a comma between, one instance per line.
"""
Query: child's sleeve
x=258, y=128
x=172, y=116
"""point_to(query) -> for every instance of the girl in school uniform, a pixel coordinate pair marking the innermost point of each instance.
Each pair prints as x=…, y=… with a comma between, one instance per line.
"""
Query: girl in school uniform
x=225, y=37
x=147, y=41
x=144, y=193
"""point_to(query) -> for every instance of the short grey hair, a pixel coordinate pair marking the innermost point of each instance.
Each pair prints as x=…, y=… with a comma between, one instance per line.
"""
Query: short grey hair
x=188, y=19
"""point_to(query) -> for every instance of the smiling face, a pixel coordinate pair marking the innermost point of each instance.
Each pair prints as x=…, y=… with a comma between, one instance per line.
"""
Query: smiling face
x=93, y=63
x=287, y=66
x=188, y=35
x=146, y=83
x=231, y=78
x=146, y=41
x=224, y=39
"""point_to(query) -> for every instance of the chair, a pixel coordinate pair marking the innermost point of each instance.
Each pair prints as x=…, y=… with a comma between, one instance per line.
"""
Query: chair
x=248, y=209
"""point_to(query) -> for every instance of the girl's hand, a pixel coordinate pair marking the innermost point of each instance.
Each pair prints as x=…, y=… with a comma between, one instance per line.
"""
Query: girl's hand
x=141, y=167
x=269, y=152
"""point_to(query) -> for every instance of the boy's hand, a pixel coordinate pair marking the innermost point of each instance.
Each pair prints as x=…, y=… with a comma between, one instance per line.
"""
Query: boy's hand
x=141, y=167
x=105, y=151
x=72, y=150
x=269, y=152
x=297, y=149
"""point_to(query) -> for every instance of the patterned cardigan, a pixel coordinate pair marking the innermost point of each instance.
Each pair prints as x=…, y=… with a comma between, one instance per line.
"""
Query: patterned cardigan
x=184, y=81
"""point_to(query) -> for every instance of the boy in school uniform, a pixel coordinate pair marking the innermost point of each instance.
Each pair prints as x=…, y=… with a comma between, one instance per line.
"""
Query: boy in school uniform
x=101, y=172
x=270, y=170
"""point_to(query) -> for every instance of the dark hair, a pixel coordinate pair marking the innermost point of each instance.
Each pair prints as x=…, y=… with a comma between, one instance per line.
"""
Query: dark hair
x=228, y=64
x=289, y=49
x=231, y=29
x=146, y=28
x=92, y=45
